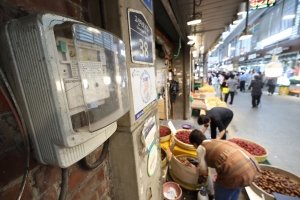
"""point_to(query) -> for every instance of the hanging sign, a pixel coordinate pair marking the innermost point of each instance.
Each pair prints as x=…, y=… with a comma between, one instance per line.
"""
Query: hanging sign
x=148, y=4
x=152, y=160
x=143, y=89
x=141, y=38
x=252, y=56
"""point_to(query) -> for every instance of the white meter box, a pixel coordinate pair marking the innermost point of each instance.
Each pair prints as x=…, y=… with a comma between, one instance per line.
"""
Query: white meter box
x=70, y=80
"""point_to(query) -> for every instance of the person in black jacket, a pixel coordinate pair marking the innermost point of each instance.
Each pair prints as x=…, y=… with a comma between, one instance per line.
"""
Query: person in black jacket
x=256, y=86
x=217, y=117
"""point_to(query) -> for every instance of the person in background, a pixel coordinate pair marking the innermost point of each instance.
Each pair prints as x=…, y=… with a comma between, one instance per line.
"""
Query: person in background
x=243, y=79
x=224, y=78
x=256, y=92
x=254, y=73
x=236, y=169
x=215, y=81
x=249, y=79
x=271, y=83
x=217, y=117
x=232, y=85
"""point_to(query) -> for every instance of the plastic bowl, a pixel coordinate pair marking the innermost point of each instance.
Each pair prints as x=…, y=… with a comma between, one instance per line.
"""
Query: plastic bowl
x=168, y=185
x=186, y=126
x=164, y=161
x=167, y=137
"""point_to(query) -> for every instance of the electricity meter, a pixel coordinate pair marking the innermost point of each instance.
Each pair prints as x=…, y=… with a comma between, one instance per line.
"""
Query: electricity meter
x=70, y=80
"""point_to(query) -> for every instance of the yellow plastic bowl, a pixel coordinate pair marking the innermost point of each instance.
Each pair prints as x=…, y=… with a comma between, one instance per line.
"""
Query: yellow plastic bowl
x=167, y=137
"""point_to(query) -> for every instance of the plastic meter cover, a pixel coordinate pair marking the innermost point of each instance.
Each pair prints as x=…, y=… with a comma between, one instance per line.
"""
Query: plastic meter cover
x=93, y=69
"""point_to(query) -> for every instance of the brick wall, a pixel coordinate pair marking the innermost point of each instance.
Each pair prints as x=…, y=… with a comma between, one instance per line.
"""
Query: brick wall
x=44, y=181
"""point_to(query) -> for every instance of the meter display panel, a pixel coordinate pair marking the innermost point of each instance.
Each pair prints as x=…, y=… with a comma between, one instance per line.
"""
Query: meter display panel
x=93, y=71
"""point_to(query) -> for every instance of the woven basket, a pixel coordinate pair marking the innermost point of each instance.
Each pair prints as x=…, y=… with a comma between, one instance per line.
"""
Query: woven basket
x=258, y=158
x=167, y=137
x=182, y=144
x=259, y=191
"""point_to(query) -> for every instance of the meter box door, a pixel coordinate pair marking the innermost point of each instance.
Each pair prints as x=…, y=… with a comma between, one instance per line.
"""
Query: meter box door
x=70, y=80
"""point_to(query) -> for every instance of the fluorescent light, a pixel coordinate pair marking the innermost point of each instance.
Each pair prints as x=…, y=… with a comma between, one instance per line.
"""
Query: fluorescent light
x=191, y=42
x=93, y=30
x=277, y=37
x=191, y=37
x=194, y=22
x=289, y=16
x=245, y=36
x=242, y=9
x=232, y=48
x=202, y=47
x=194, y=51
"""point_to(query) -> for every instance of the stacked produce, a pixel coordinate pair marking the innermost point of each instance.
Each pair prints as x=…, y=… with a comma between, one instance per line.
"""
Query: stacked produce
x=271, y=181
x=183, y=136
x=164, y=131
x=206, y=89
x=215, y=102
x=252, y=148
x=184, y=159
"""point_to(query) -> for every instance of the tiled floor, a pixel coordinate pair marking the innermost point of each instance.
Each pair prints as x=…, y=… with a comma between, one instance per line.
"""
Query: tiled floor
x=275, y=125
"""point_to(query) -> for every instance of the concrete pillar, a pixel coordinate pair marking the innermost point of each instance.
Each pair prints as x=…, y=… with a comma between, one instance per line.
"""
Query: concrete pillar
x=127, y=151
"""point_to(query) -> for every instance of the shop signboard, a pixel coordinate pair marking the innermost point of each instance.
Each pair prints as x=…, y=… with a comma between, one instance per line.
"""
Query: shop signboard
x=152, y=160
x=141, y=38
x=148, y=4
x=143, y=89
x=252, y=56
x=241, y=59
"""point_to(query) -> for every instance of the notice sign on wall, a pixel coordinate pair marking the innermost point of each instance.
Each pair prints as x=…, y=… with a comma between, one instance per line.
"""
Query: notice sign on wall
x=143, y=89
x=141, y=38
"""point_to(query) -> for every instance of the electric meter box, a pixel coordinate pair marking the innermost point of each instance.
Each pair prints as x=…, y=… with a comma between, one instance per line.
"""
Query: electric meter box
x=70, y=80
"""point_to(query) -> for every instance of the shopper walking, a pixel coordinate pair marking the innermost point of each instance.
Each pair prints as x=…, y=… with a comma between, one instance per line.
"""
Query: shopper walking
x=236, y=168
x=223, y=83
x=256, y=92
x=271, y=83
x=217, y=117
x=243, y=79
x=232, y=85
x=215, y=82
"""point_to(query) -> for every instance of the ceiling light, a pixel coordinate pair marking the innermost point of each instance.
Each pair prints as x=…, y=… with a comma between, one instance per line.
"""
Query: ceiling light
x=245, y=36
x=232, y=48
x=202, y=47
x=194, y=22
x=191, y=37
x=242, y=9
x=191, y=42
x=238, y=19
x=226, y=30
x=194, y=51
x=289, y=16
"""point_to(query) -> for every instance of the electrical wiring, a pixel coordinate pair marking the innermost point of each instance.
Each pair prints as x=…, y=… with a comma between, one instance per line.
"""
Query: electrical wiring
x=87, y=165
x=64, y=184
x=21, y=124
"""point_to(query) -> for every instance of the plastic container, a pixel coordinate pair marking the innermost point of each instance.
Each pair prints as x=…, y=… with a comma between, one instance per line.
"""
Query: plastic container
x=165, y=138
x=182, y=144
x=170, y=187
x=187, y=177
x=259, y=191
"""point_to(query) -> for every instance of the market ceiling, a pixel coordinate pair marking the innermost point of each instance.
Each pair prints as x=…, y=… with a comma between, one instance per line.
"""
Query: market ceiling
x=215, y=16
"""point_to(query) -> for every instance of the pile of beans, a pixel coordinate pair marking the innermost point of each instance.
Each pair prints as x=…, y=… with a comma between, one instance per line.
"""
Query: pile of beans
x=252, y=148
x=183, y=136
x=271, y=181
x=164, y=131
